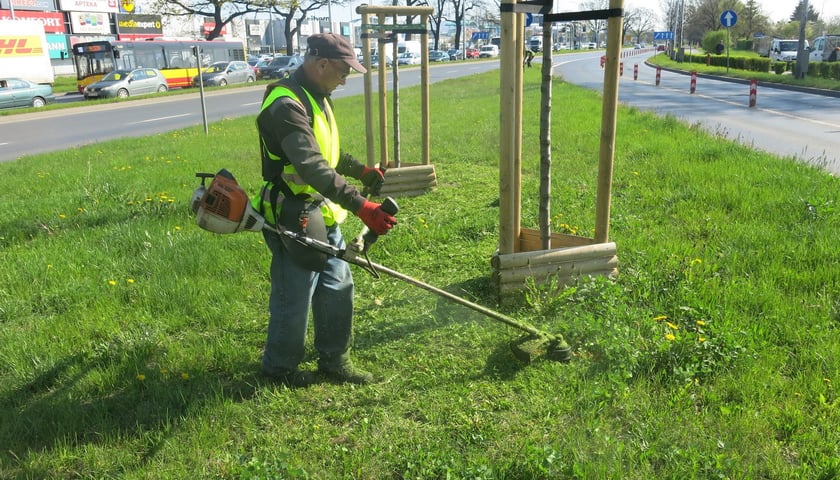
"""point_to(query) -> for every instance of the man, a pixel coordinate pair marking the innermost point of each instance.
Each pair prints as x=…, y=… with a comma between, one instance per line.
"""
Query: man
x=301, y=159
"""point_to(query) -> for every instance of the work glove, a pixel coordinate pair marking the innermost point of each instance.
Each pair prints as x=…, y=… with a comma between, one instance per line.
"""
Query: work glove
x=372, y=179
x=375, y=218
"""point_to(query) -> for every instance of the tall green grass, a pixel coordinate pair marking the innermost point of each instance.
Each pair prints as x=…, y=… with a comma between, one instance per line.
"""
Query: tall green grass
x=130, y=339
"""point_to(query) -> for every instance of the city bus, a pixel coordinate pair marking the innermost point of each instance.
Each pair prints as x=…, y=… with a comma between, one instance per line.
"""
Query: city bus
x=175, y=59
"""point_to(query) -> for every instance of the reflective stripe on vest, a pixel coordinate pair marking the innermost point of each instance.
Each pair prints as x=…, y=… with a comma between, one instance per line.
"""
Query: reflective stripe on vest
x=326, y=134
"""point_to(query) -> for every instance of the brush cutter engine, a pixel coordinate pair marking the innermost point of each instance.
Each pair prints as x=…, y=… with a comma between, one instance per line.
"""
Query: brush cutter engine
x=224, y=207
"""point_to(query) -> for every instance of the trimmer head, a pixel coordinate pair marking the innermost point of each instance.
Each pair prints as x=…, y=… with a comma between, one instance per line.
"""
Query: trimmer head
x=531, y=347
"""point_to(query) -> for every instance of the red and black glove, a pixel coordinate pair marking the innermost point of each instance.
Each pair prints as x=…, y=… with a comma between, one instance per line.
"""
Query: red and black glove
x=372, y=179
x=375, y=218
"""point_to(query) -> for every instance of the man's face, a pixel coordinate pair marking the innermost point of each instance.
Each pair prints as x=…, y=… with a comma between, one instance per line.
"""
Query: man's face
x=334, y=73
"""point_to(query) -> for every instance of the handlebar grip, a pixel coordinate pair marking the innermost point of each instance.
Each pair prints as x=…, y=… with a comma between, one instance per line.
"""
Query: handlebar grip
x=388, y=206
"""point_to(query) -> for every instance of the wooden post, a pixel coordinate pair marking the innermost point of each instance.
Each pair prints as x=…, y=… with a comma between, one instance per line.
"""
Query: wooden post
x=608, y=123
x=368, y=89
x=383, y=91
x=508, y=131
x=424, y=92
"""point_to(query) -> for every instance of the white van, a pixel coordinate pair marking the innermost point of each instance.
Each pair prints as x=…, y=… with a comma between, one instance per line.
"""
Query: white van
x=822, y=47
x=488, y=51
x=785, y=50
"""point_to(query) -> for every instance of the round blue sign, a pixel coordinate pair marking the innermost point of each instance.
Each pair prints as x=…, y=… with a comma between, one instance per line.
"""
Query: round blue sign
x=728, y=18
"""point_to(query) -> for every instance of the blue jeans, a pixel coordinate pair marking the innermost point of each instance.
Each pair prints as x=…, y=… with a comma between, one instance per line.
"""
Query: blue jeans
x=294, y=291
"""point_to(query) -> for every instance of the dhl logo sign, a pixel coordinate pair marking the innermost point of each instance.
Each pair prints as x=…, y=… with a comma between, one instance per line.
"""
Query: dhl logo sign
x=20, y=46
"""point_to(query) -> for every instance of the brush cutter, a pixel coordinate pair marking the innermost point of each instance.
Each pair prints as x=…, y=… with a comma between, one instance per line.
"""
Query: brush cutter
x=224, y=207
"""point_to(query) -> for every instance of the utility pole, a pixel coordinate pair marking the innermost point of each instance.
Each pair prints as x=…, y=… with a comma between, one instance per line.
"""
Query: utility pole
x=801, y=53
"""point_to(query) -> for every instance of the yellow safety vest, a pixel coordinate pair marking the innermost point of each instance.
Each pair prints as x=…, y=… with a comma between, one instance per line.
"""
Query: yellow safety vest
x=326, y=134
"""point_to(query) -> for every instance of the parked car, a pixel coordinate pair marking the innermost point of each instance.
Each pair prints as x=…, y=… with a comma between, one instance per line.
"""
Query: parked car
x=17, y=92
x=408, y=58
x=455, y=54
x=127, y=83
x=438, y=56
x=487, y=51
x=280, y=67
x=220, y=74
x=472, y=53
x=374, y=61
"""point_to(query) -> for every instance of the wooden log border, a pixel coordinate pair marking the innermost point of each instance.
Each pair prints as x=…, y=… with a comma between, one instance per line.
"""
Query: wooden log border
x=409, y=181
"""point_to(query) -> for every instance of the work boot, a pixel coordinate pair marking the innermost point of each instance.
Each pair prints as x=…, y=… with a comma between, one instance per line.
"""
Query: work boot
x=347, y=373
x=294, y=378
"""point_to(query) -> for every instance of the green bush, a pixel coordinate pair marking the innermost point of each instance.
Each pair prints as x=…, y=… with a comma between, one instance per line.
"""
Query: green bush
x=779, y=67
x=828, y=70
x=712, y=38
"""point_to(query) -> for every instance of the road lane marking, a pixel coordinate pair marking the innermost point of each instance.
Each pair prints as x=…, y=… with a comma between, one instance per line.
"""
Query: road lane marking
x=160, y=118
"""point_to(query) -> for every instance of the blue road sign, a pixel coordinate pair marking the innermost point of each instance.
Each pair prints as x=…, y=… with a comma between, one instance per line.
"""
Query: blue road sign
x=529, y=19
x=663, y=35
x=728, y=18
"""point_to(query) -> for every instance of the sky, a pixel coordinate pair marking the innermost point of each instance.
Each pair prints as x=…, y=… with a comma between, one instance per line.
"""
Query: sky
x=775, y=9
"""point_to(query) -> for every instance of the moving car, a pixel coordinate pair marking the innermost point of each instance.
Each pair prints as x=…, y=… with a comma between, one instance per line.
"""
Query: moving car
x=17, y=92
x=472, y=53
x=438, y=56
x=279, y=67
x=127, y=83
x=224, y=73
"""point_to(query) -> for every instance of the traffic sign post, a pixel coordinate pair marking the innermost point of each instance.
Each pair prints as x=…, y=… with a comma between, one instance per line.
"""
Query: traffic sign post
x=728, y=19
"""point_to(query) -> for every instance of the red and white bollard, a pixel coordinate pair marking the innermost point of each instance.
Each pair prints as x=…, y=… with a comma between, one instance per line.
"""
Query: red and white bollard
x=693, y=81
x=658, y=75
x=636, y=71
x=621, y=68
x=753, y=91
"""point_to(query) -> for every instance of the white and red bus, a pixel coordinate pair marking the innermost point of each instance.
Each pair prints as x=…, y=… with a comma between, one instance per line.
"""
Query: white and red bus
x=175, y=59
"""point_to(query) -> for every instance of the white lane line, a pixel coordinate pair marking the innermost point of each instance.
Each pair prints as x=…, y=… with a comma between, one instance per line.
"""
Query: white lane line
x=160, y=118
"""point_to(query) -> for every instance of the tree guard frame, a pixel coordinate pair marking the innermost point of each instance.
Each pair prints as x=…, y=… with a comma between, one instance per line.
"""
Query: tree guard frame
x=400, y=180
x=543, y=256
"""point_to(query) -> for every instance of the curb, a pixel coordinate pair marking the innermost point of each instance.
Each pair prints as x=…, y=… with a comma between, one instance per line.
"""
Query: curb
x=780, y=86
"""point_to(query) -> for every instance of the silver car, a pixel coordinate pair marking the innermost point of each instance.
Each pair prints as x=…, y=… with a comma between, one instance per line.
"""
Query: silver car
x=127, y=83
x=17, y=92
x=223, y=73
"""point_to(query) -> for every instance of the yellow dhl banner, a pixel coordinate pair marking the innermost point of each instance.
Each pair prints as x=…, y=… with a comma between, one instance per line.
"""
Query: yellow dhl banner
x=20, y=46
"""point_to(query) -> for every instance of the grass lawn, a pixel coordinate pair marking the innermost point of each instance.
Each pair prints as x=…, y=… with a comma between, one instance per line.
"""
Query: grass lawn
x=130, y=339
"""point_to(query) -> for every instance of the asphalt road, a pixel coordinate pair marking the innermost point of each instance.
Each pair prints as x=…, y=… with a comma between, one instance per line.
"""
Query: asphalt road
x=804, y=126
x=39, y=132
x=796, y=124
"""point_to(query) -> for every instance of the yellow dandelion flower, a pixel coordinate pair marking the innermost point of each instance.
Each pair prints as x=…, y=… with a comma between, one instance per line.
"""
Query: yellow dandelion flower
x=112, y=282
x=62, y=216
x=670, y=337
x=636, y=173
x=129, y=280
x=659, y=318
x=672, y=326
x=701, y=339
x=177, y=227
x=701, y=323
x=696, y=261
x=140, y=377
x=185, y=375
